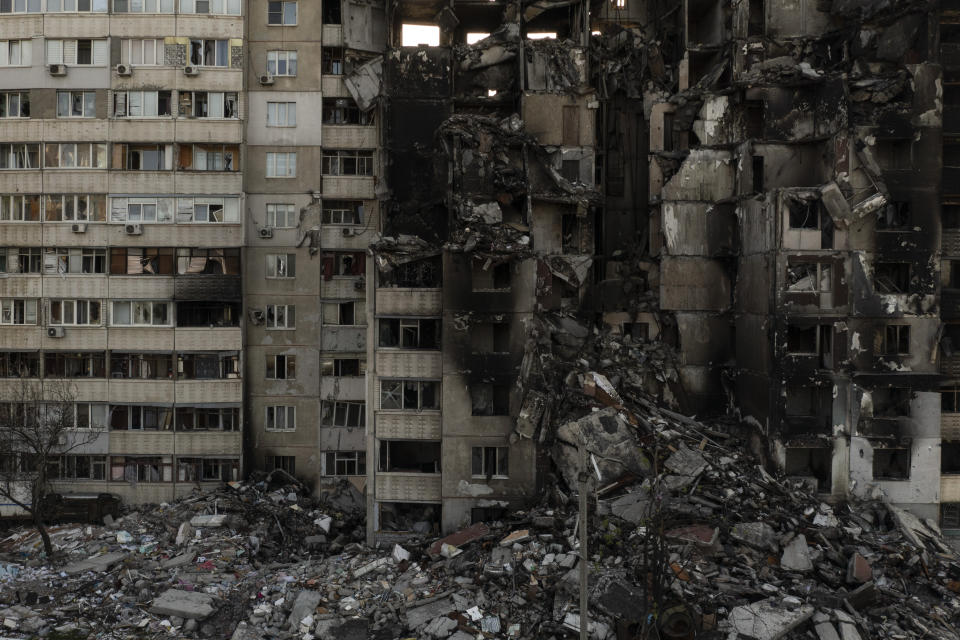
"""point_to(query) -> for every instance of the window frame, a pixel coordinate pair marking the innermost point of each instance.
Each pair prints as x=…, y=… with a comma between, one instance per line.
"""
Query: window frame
x=273, y=164
x=169, y=310
x=281, y=361
x=500, y=464
x=282, y=16
x=76, y=305
x=273, y=269
x=9, y=311
x=400, y=392
x=287, y=108
x=272, y=312
x=333, y=461
x=271, y=414
x=332, y=410
x=285, y=56
x=289, y=213
x=22, y=104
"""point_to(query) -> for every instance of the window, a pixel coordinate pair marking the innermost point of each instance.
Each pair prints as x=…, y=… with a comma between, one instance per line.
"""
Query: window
x=19, y=156
x=409, y=333
x=891, y=464
x=76, y=104
x=804, y=214
x=59, y=364
x=18, y=208
x=201, y=261
x=142, y=157
x=208, y=210
x=144, y=211
x=895, y=340
x=344, y=111
x=98, y=6
x=140, y=418
x=141, y=366
x=282, y=164
x=282, y=13
x=209, y=53
x=282, y=63
x=343, y=367
x=20, y=6
x=216, y=7
x=141, y=468
x=142, y=51
x=74, y=260
x=72, y=207
x=343, y=414
x=284, y=463
x=281, y=265
x=412, y=35
x=345, y=463
x=756, y=19
x=208, y=314
x=210, y=157
x=209, y=104
x=950, y=400
x=281, y=367
x=142, y=104
x=809, y=276
x=494, y=278
x=208, y=419
x=331, y=12
x=18, y=311
x=281, y=216
x=14, y=104
x=15, y=53
x=950, y=515
x=489, y=399
x=487, y=462
x=347, y=163
x=207, y=469
x=895, y=216
x=75, y=467
x=281, y=316
x=75, y=155
x=351, y=312
x=19, y=364
x=409, y=394
x=82, y=52
x=281, y=418
x=281, y=114
x=344, y=264
x=142, y=6
x=22, y=260
x=141, y=313
x=426, y=273
x=75, y=312
x=331, y=61
x=208, y=366
x=341, y=212
x=494, y=337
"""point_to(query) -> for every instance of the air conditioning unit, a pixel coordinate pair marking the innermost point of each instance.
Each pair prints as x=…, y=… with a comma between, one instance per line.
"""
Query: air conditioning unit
x=316, y=195
x=191, y=71
x=58, y=69
x=266, y=232
x=124, y=70
x=54, y=332
x=348, y=232
x=133, y=229
x=80, y=227
x=359, y=283
x=266, y=79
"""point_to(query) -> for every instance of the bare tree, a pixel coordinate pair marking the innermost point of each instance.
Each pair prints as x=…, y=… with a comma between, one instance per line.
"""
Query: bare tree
x=38, y=424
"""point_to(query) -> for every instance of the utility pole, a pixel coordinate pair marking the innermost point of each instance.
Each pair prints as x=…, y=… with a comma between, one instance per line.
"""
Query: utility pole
x=582, y=479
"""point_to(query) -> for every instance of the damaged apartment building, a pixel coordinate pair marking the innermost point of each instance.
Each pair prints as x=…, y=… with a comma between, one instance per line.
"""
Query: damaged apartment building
x=755, y=186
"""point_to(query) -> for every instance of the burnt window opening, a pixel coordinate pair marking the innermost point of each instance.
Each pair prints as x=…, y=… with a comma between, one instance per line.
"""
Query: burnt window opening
x=894, y=216
x=409, y=333
x=758, y=181
x=813, y=462
x=950, y=458
x=415, y=35
x=753, y=118
x=570, y=170
x=616, y=178
x=950, y=399
x=891, y=402
x=490, y=399
x=895, y=155
x=808, y=401
x=814, y=277
x=892, y=277
x=891, y=464
x=668, y=120
x=331, y=61
x=412, y=275
x=415, y=395
x=950, y=515
x=343, y=367
x=954, y=280
x=804, y=214
x=814, y=340
x=208, y=314
x=895, y=340
x=950, y=217
x=344, y=111
x=488, y=514
x=639, y=331
x=757, y=19
x=950, y=339
x=284, y=463
x=570, y=233
x=332, y=13
x=418, y=517
x=951, y=153
x=490, y=337
x=409, y=456
x=492, y=278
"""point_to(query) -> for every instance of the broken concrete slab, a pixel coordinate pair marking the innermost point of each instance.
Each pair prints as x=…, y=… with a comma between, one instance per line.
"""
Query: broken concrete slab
x=191, y=605
x=699, y=534
x=796, y=555
x=768, y=619
x=758, y=535
x=209, y=521
x=610, y=442
x=633, y=507
x=95, y=563
x=305, y=605
x=179, y=561
x=686, y=461
x=417, y=616
x=858, y=569
x=460, y=538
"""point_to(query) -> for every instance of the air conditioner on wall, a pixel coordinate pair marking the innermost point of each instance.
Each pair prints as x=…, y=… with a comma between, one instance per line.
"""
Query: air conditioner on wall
x=54, y=332
x=266, y=232
x=58, y=69
x=266, y=79
x=191, y=71
x=124, y=70
x=79, y=227
x=133, y=229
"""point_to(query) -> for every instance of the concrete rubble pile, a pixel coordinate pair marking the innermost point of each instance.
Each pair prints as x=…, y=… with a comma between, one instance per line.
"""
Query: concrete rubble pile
x=687, y=534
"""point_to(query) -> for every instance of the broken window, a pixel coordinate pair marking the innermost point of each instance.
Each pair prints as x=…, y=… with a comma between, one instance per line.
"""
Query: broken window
x=490, y=337
x=809, y=276
x=347, y=162
x=350, y=312
x=570, y=170
x=345, y=463
x=813, y=462
x=891, y=402
x=424, y=273
x=208, y=314
x=412, y=35
x=753, y=118
x=343, y=414
x=950, y=399
x=891, y=464
x=950, y=457
x=894, y=216
x=341, y=212
x=636, y=330
x=281, y=367
x=491, y=277
x=814, y=340
x=950, y=340
x=208, y=366
x=284, y=463
x=340, y=367
x=344, y=111
x=758, y=181
x=331, y=12
x=409, y=456
x=950, y=216
x=409, y=333
x=282, y=265
x=808, y=400
x=895, y=155
x=331, y=61
x=892, y=277
x=804, y=214
x=489, y=462
x=490, y=399
x=413, y=395
x=950, y=515
x=756, y=20
x=895, y=340
x=954, y=280
x=409, y=516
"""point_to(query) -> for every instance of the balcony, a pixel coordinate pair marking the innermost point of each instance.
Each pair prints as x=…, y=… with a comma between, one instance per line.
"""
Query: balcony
x=950, y=365
x=348, y=187
x=209, y=390
x=142, y=391
x=949, y=488
x=950, y=303
x=184, y=443
x=398, y=363
x=343, y=136
x=343, y=338
x=408, y=426
x=408, y=487
x=343, y=388
x=207, y=287
x=212, y=339
x=950, y=426
x=408, y=302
